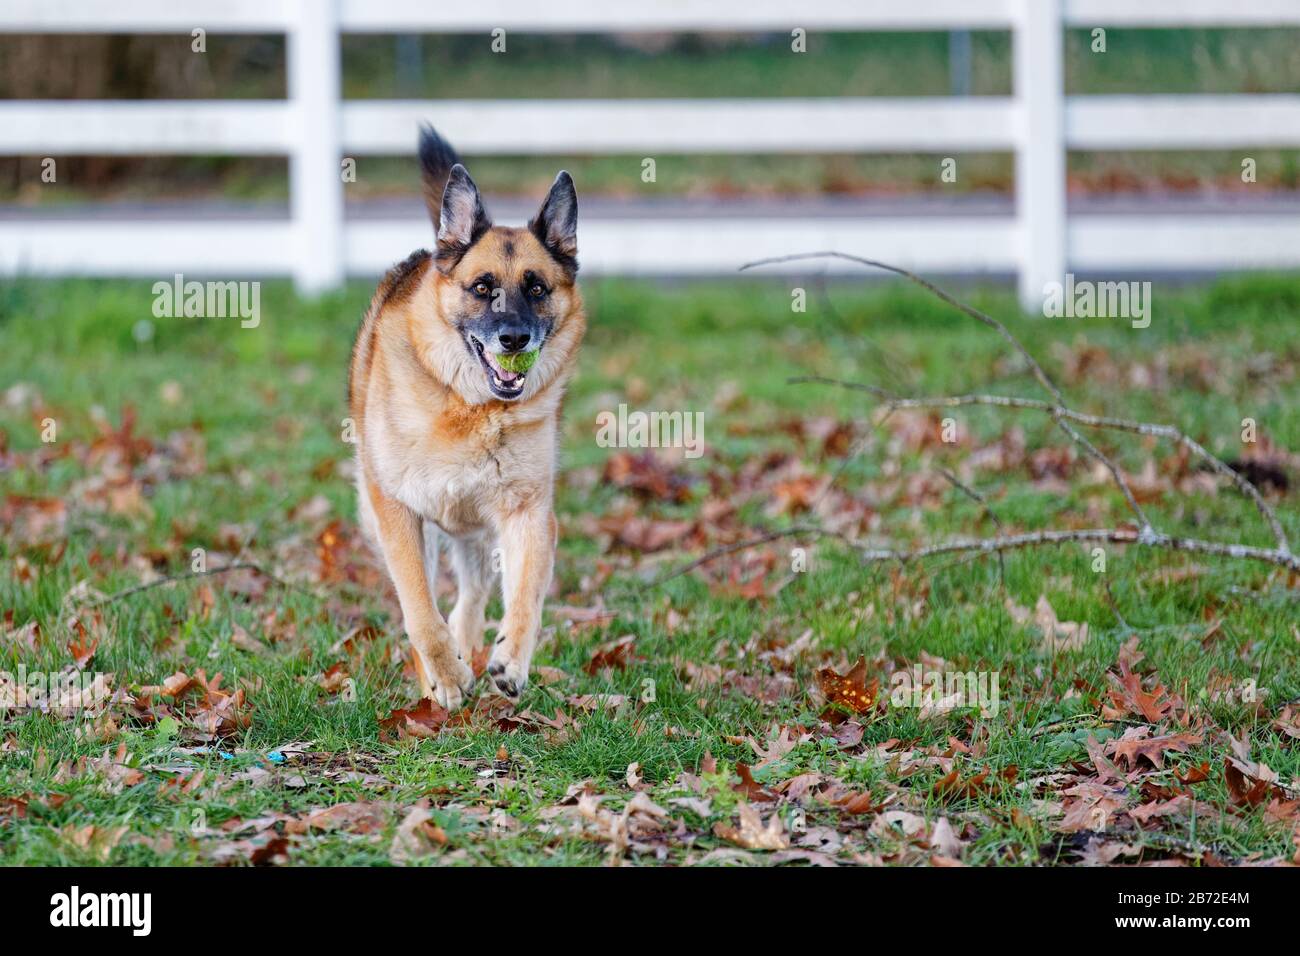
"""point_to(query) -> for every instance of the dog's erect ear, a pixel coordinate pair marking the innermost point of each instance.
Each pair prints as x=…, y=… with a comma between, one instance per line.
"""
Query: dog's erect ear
x=462, y=220
x=556, y=223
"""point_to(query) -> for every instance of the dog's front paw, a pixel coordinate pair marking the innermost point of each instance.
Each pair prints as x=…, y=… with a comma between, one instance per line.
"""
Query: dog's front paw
x=452, y=684
x=508, y=675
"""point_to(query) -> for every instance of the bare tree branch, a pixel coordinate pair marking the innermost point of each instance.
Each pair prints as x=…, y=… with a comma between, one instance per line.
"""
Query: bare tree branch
x=1038, y=371
x=765, y=538
x=1001, y=543
x=1113, y=535
x=1065, y=418
x=1242, y=483
x=191, y=575
x=973, y=312
x=975, y=496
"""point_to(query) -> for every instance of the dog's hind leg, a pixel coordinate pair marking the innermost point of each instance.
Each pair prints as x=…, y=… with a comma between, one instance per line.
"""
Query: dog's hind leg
x=471, y=559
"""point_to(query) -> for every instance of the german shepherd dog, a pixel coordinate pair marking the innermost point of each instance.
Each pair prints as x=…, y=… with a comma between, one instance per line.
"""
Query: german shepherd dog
x=456, y=381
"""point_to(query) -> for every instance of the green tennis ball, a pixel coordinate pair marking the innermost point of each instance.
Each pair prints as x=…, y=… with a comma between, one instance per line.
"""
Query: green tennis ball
x=519, y=362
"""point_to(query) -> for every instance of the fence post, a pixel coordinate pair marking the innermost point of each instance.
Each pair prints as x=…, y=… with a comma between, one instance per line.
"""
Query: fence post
x=1039, y=88
x=315, y=184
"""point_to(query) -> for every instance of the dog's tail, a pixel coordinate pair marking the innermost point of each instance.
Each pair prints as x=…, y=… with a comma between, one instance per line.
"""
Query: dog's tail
x=436, y=159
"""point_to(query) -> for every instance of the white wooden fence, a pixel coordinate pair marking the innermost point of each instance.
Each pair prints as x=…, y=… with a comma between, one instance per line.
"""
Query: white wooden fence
x=314, y=127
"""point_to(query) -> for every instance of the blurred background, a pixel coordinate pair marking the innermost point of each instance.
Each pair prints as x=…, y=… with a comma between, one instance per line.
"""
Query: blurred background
x=649, y=65
x=993, y=139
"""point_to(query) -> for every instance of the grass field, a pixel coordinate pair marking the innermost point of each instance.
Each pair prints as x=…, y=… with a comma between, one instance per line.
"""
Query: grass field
x=680, y=722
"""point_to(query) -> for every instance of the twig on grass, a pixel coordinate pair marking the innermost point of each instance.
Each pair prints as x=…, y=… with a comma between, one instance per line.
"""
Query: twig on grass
x=973, y=312
x=1011, y=542
x=890, y=365
x=1114, y=605
x=191, y=575
x=764, y=538
x=1240, y=481
x=1151, y=539
x=1039, y=373
x=976, y=497
x=1065, y=418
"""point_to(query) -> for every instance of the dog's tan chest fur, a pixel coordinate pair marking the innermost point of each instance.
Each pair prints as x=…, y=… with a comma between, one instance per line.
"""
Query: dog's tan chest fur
x=460, y=482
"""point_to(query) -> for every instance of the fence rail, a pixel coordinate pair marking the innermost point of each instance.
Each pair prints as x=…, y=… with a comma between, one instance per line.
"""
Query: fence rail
x=315, y=127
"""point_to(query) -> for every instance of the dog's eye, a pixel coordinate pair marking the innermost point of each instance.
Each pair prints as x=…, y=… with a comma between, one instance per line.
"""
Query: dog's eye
x=537, y=290
x=481, y=288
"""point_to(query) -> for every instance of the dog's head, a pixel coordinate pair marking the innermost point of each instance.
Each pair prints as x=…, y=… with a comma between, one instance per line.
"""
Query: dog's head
x=509, y=294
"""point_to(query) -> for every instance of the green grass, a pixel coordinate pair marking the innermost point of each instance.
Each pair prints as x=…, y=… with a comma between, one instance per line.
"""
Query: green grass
x=268, y=404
